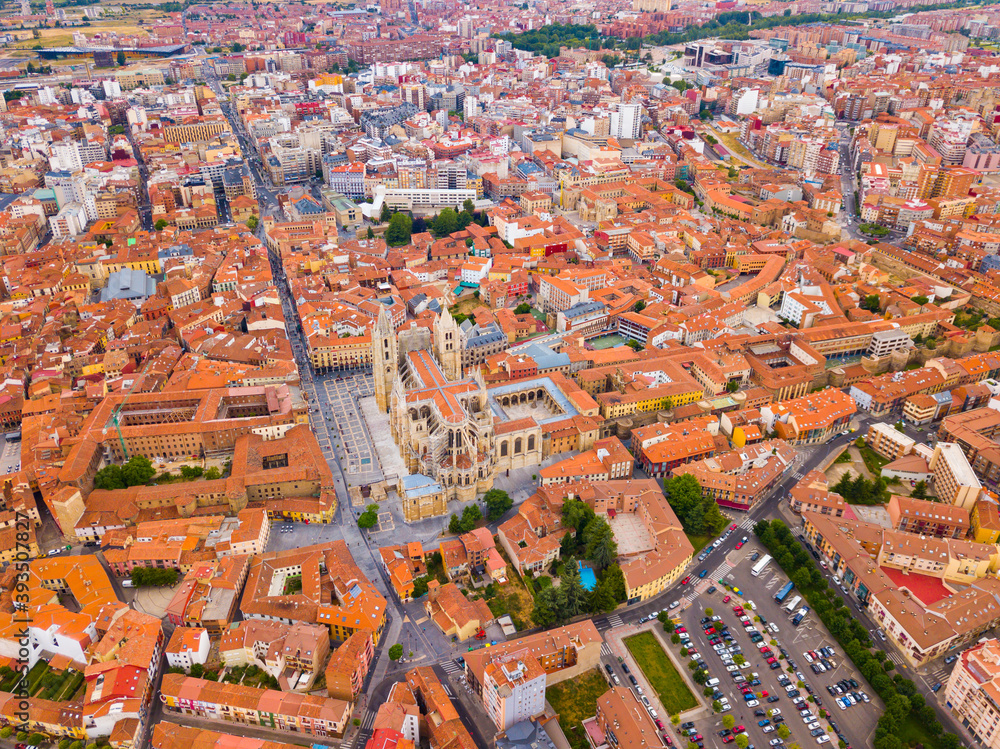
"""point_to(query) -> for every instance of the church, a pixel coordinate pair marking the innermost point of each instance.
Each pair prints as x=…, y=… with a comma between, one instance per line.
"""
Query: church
x=440, y=419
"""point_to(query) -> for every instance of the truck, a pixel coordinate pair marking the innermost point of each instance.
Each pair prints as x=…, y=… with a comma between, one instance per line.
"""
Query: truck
x=799, y=616
x=790, y=606
x=785, y=590
x=761, y=564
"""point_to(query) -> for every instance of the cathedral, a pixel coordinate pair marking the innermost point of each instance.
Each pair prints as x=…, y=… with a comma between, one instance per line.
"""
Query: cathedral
x=440, y=420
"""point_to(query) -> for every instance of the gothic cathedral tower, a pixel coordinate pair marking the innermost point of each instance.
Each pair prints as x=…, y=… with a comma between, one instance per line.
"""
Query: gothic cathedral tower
x=448, y=346
x=384, y=359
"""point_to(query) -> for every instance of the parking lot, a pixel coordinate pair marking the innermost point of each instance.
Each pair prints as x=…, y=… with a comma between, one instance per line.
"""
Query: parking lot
x=855, y=723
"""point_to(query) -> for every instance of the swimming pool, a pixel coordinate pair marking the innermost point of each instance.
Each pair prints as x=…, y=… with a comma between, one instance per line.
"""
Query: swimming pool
x=587, y=577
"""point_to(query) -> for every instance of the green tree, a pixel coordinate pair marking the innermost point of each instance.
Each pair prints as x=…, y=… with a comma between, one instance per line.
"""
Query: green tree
x=920, y=299
x=368, y=518
x=614, y=580
x=468, y=206
x=160, y=224
x=545, y=611
x=571, y=590
x=728, y=721
x=602, y=549
x=871, y=303
x=742, y=741
x=783, y=732
x=252, y=223
x=386, y=213
x=919, y=490
x=802, y=578
x=399, y=231
x=237, y=47
x=522, y=309
x=110, y=478
x=639, y=306
x=138, y=471
x=497, y=503
x=6, y=732
x=396, y=652
x=121, y=58
x=470, y=516
x=212, y=474
x=371, y=233
x=445, y=223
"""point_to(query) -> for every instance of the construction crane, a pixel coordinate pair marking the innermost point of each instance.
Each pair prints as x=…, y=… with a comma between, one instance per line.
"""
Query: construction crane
x=116, y=414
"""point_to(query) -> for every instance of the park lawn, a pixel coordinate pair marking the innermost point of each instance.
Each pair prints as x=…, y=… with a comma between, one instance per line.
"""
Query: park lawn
x=466, y=306
x=575, y=700
x=660, y=672
x=911, y=733
x=698, y=542
x=873, y=461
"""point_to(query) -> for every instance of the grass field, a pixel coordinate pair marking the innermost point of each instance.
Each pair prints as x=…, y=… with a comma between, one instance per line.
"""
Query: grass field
x=575, y=700
x=64, y=37
x=660, y=672
x=699, y=542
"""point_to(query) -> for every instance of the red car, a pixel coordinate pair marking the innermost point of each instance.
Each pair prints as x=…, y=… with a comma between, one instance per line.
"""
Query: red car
x=739, y=729
x=710, y=631
x=726, y=599
x=728, y=739
x=680, y=630
x=686, y=580
x=739, y=544
x=732, y=527
x=746, y=690
x=669, y=741
x=659, y=723
x=771, y=660
x=737, y=609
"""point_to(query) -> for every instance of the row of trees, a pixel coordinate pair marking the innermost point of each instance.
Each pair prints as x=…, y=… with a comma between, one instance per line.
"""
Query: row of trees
x=402, y=226
x=152, y=577
x=698, y=513
x=903, y=702
x=138, y=470
x=470, y=516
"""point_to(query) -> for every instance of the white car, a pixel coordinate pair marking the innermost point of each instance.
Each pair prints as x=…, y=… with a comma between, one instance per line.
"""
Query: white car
x=753, y=703
x=776, y=711
x=812, y=726
x=824, y=739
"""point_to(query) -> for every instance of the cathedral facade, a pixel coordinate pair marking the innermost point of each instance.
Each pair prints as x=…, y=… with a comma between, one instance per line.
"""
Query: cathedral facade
x=440, y=420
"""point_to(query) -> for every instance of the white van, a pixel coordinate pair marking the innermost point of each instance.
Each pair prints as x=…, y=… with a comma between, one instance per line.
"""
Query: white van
x=714, y=682
x=127, y=583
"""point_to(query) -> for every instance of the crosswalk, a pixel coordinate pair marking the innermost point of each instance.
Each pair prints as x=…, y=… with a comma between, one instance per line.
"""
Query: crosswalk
x=606, y=649
x=451, y=667
x=711, y=579
x=939, y=674
x=746, y=523
x=610, y=623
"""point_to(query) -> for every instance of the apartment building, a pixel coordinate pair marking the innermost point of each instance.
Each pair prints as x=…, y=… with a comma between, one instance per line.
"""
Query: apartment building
x=234, y=703
x=349, y=665
x=861, y=553
x=811, y=419
x=187, y=646
x=513, y=690
x=955, y=482
x=562, y=653
x=625, y=722
x=888, y=441
x=923, y=517
x=973, y=692
x=812, y=494
x=558, y=294
x=609, y=459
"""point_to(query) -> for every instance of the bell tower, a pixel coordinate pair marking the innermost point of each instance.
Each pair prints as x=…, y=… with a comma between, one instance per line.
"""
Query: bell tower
x=384, y=359
x=448, y=345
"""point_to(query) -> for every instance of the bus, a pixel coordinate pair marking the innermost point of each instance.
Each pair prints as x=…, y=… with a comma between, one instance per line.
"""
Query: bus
x=761, y=564
x=799, y=616
x=790, y=606
x=783, y=593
